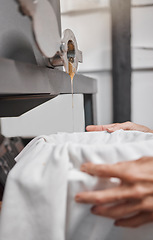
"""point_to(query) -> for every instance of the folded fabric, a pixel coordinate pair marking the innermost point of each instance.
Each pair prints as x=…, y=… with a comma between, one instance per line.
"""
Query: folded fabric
x=38, y=202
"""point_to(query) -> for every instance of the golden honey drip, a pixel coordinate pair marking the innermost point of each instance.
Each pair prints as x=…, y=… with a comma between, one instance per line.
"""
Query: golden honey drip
x=71, y=73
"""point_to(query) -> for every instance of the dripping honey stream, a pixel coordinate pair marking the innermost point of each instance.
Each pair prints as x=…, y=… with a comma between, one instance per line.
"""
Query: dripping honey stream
x=71, y=72
x=71, y=68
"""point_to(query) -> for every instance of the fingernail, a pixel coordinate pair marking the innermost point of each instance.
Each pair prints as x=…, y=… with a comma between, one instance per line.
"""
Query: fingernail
x=88, y=128
x=110, y=129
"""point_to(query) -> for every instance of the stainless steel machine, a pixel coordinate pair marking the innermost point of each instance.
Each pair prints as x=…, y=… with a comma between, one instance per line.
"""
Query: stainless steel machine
x=32, y=52
x=31, y=48
x=56, y=51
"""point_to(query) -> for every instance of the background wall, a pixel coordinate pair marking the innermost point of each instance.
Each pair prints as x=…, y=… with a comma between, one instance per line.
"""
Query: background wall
x=92, y=26
x=142, y=62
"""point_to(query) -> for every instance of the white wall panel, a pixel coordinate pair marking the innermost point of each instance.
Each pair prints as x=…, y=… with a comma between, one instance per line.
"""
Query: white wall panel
x=142, y=37
x=142, y=58
x=142, y=98
x=142, y=27
x=141, y=2
x=81, y=5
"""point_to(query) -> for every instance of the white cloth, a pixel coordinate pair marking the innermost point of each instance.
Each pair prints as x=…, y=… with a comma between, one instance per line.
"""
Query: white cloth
x=38, y=202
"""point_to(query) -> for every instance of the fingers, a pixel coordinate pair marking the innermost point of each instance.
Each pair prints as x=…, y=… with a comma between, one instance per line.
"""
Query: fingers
x=111, y=127
x=119, y=170
x=117, y=211
x=107, y=196
x=129, y=171
x=117, y=126
x=123, y=126
x=136, y=221
x=124, y=209
x=94, y=128
x=100, y=170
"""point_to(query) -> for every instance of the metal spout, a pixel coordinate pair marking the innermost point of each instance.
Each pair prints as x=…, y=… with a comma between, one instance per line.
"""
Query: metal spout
x=69, y=52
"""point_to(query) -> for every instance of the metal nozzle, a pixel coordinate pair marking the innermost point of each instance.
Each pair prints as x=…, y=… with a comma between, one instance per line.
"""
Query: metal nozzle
x=69, y=52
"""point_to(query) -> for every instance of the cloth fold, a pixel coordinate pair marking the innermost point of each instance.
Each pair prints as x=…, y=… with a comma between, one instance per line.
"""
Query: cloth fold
x=39, y=196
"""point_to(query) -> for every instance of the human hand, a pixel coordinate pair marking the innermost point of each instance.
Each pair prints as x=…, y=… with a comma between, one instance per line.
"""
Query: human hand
x=117, y=126
x=132, y=200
